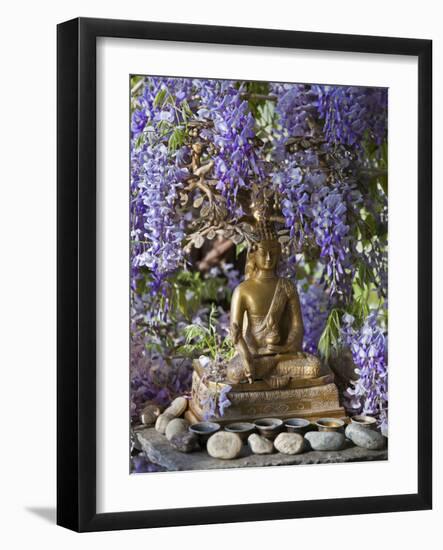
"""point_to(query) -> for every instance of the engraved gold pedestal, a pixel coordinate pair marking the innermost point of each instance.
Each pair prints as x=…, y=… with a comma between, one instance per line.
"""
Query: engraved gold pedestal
x=311, y=398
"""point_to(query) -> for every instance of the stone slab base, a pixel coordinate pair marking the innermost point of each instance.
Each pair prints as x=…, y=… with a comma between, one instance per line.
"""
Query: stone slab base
x=159, y=451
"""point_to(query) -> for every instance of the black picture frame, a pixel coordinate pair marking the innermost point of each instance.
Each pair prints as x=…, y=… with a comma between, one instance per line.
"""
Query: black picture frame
x=76, y=279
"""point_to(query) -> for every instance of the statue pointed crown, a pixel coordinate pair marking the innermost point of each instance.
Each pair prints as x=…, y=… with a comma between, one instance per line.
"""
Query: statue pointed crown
x=263, y=229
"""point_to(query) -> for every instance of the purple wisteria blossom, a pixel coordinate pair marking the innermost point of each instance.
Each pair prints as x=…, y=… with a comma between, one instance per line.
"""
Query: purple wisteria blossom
x=296, y=104
x=155, y=379
x=353, y=114
x=368, y=345
x=236, y=160
x=314, y=302
x=209, y=406
x=159, y=242
x=223, y=401
x=232, y=275
x=138, y=122
x=156, y=227
x=317, y=196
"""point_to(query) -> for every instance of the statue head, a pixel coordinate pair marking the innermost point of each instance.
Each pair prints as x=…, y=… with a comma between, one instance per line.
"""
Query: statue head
x=265, y=250
x=267, y=254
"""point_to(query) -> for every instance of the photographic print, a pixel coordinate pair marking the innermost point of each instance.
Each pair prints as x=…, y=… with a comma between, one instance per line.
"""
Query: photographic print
x=258, y=260
x=222, y=274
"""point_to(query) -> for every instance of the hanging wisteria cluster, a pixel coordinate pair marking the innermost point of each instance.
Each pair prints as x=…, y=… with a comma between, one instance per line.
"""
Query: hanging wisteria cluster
x=202, y=151
x=368, y=345
x=156, y=227
x=230, y=130
x=314, y=301
x=353, y=114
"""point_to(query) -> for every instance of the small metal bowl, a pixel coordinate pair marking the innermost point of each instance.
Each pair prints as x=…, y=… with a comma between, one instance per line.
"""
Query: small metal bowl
x=330, y=425
x=364, y=420
x=204, y=430
x=269, y=427
x=243, y=429
x=297, y=425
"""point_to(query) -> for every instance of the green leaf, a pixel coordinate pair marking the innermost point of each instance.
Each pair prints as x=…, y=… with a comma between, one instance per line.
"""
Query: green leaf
x=139, y=141
x=329, y=340
x=240, y=247
x=186, y=110
x=182, y=302
x=160, y=97
x=187, y=349
x=176, y=139
x=135, y=80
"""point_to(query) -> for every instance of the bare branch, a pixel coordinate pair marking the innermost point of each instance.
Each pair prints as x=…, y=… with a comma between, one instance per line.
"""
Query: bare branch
x=214, y=256
x=258, y=97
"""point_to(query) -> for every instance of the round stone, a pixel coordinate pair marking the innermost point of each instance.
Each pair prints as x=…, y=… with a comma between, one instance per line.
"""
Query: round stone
x=260, y=445
x=224, y=445
x=177, y=407
x=365, y=437
x=289, y=443
x=176, y=426
x=185, y=442
x=149, y=414
x=325, y=441
x=162, y=422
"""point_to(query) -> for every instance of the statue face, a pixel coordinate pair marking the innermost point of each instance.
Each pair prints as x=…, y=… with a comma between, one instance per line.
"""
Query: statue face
x=267, y=255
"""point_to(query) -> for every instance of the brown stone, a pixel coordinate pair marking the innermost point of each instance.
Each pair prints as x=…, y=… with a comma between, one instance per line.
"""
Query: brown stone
x=177, y=407
x=149, y=414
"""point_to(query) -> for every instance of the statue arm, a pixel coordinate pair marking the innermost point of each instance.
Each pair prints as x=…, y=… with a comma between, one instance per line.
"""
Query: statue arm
x=237, y=315
x=294, y=339
x=296, y=328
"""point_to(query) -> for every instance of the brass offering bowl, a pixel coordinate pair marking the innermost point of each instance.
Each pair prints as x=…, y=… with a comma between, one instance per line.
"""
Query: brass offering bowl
x=269, y=427
x=243, y=429
x=204, y=430
x=330, y=425
x=297, y=425
x=364, y=420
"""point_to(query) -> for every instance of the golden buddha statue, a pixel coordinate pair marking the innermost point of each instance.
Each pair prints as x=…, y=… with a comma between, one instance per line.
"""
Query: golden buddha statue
x=266, y=321
x=270, y=375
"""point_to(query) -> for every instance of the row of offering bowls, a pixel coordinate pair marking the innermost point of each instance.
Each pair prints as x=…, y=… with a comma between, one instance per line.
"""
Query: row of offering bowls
x=271, y=427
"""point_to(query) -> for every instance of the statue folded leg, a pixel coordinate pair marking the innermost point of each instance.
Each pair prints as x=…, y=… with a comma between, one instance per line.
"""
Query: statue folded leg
x=298, y=365
x=276, y=370
x=261, y=368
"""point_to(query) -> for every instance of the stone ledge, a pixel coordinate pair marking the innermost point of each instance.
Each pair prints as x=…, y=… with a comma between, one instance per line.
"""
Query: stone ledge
x=159, y=451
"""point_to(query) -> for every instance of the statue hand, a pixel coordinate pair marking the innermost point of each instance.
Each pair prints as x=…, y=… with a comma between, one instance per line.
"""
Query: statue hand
x=274, y=348
x=248, y=371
